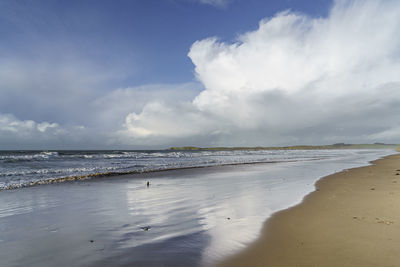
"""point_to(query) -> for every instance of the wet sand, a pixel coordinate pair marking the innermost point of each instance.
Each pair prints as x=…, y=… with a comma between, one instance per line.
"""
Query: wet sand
x=190, y=217
x=352, y=219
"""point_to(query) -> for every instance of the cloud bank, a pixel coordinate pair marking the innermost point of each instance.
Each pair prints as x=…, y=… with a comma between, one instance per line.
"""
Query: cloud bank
x=24, y=132
x=293, y=80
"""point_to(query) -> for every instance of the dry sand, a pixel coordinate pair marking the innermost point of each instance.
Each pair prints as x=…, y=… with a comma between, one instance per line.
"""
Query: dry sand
x=352, y=219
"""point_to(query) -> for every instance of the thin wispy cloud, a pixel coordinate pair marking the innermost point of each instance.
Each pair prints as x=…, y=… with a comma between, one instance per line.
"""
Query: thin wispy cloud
x=216, y=3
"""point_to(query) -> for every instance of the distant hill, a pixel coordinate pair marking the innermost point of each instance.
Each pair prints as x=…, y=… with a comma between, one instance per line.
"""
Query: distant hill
x=298, y=147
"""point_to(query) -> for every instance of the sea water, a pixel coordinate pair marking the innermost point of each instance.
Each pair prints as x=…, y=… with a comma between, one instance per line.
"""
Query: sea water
x=22, y=168
x=188, y=217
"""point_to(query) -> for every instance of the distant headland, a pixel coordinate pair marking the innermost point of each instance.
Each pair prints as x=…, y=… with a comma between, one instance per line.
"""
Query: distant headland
x=297, y=147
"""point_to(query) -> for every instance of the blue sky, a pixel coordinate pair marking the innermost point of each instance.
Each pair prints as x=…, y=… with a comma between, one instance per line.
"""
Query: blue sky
x=148, y=39
x=154, y=73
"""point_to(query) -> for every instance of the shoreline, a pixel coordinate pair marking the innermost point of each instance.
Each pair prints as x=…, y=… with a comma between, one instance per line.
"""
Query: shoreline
x=54, y=176
x=349, y=219
x=102, y=175
x=124, y=174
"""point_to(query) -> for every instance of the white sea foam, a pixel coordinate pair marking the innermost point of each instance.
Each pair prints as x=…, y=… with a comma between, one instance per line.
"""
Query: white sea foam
x=19, y=167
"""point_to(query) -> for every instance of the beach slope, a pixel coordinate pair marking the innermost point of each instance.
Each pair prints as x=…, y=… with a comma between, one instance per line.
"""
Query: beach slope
x=352, y=219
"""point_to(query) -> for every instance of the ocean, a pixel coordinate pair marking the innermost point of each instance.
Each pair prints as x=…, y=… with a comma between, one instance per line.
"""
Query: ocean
x=24, y=168
x=200, y=206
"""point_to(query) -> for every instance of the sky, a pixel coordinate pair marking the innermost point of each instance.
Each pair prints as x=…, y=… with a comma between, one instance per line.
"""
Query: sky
x=150, y=74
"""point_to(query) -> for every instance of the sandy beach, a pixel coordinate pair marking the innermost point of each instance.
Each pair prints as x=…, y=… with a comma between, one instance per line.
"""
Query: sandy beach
x=352, y=219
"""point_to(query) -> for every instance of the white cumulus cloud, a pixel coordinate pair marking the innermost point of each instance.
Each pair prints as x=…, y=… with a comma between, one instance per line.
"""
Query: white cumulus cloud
x=8, y=123
x=26, y=132
x=294, y=79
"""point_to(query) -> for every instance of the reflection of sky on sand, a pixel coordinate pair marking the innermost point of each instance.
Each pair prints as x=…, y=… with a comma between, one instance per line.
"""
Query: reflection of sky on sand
x=164, y=206
x=187, y=211
x=228, y=205
x=246, y=200
x=27, y=203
